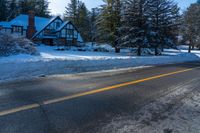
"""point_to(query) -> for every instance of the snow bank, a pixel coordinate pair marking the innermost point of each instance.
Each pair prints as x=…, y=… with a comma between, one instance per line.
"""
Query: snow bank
x=51, y=62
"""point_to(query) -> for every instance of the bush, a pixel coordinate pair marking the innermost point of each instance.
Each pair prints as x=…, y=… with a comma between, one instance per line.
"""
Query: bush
x=13, y=45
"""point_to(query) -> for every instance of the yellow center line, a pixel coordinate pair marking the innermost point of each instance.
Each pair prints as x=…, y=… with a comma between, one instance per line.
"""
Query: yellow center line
x=32, y=106
x=110, y=87
x=18, y=109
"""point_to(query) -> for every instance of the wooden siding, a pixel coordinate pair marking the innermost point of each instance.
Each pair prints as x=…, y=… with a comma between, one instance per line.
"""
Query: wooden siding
x=70, y=33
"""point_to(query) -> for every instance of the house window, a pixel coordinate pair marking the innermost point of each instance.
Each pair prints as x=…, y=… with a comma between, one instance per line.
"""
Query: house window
x=57, y=24
x=47, y=31
x=70, y=32
x=17, y=29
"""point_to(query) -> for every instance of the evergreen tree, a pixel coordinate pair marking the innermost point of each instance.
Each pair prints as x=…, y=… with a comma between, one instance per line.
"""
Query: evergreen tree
x=71, y=12
x=83, y=22
x=109, y=21
x=25, y=6
x=163, y=16
x=40, y=7
x=93, y=27
x=134, y=25
x=13, y=10
x=3, y=10
x=191, y=25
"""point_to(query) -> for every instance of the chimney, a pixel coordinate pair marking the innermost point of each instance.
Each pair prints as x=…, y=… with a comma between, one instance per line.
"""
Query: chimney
x=31, y=24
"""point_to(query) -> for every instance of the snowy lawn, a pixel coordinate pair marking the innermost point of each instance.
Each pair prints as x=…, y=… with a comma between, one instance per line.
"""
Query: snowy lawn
x=51, y=61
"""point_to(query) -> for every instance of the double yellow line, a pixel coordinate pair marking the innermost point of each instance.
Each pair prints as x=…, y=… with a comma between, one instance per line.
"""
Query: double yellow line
x=36, y=105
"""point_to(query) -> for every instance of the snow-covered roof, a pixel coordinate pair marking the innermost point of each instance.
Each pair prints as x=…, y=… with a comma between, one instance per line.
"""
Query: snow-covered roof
x=5, y=24
x=22, y=20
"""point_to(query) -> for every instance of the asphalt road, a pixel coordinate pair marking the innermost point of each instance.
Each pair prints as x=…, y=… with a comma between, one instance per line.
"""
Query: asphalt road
x=86, y=102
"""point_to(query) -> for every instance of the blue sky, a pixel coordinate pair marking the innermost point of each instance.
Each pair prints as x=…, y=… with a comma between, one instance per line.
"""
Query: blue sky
x=58, y=6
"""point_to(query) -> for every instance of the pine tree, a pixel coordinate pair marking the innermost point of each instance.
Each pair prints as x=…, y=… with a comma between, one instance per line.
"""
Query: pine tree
x=93, y=27
x=163, y=16
x=71, y=12
x=83, y=22
x=13, y=10
x=42, y=8
x=134, y=25
x=3, y=10
x=109, y=22
x=25, y=6
x=191, y=25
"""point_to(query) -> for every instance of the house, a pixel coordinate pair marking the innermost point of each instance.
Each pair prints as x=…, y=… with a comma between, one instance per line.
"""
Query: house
x=52, y=31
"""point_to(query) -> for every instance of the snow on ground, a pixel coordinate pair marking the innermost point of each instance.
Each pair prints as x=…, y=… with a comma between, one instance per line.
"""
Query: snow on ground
x=177, y=112
x=50, y=62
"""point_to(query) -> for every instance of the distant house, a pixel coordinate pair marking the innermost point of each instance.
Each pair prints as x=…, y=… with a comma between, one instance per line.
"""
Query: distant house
x=52, y=31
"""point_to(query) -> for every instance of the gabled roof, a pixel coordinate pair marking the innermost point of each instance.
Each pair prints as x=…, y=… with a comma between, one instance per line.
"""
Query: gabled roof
x=46, y=24
x=80, y=39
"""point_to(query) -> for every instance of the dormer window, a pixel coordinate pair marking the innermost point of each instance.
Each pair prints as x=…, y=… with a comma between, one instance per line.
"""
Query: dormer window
x=70, y=31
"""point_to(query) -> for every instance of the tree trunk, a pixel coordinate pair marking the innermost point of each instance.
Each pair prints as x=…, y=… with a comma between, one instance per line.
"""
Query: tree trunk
x=189, y=50
x=139, y=51
x=117, y=50
x=162, y=48
x=192, y=47
x=116, y=45
x=156, y=51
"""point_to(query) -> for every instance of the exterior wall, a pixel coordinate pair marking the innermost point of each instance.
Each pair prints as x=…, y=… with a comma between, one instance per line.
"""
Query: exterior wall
x=14, y=32
x=6, y=30
x=18, y=30
x=70, y=34
x=61, y=42
x=48, y=41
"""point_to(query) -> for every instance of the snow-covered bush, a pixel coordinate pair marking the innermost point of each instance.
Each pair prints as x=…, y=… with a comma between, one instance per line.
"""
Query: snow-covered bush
x=145, y=51
x=12, y=45
x=88, y=47
x=98, y=47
